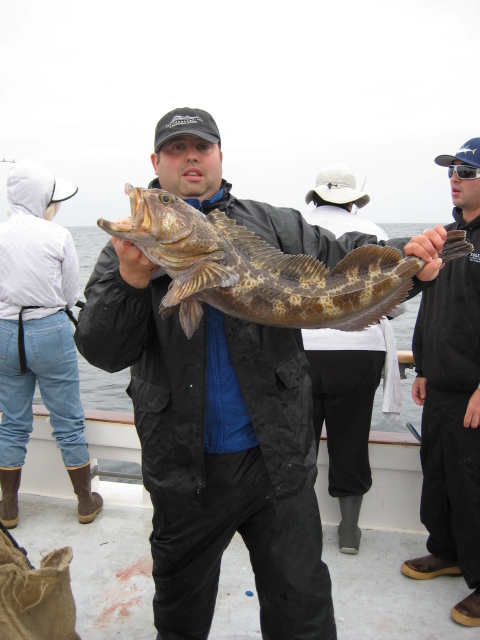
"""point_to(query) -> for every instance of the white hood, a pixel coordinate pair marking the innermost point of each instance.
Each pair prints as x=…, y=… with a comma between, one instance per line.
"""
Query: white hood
x=31, y=188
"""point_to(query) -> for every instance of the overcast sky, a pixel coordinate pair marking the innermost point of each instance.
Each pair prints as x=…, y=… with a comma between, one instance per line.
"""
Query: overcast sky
x=381, y=85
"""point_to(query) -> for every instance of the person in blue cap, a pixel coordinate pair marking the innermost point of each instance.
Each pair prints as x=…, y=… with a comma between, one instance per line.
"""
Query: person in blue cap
x=446, y=349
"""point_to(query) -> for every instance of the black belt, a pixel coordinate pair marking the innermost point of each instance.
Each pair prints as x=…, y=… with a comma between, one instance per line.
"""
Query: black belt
x=21, y=336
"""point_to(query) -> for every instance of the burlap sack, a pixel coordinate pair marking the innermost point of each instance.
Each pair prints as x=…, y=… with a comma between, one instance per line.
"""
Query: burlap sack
x=35, y=604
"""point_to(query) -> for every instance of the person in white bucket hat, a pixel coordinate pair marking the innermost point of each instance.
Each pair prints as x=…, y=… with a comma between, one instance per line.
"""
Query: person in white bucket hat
x=346, y=367
x=336, y=184
x=38, y=287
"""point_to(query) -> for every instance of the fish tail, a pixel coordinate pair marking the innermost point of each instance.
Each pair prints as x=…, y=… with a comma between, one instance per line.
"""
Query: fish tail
x=455, y=246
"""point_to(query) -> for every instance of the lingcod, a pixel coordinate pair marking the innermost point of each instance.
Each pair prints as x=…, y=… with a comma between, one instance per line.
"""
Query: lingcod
x=212, y=259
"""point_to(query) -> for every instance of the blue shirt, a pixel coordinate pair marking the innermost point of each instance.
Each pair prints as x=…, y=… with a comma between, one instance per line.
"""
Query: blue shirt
x=227, y=427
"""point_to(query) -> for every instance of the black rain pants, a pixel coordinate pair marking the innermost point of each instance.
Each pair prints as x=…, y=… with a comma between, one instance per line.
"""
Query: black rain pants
x=450, y=504
x=343, y=386
x=284, y=540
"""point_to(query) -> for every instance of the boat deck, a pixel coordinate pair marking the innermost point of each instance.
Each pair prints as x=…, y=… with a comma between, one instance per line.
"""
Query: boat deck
x=113, y=588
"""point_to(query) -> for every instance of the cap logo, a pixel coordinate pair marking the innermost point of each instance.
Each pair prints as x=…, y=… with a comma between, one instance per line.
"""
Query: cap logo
x=466, y=150
x=182, y=120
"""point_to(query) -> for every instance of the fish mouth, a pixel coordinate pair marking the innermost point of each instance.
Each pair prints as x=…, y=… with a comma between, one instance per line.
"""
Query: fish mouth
x=139, y=222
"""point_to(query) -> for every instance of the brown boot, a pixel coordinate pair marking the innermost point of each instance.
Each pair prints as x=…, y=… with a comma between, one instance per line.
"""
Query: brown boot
x=10, y=484
x=467, y=612
x=89, y=504
x=428, y=567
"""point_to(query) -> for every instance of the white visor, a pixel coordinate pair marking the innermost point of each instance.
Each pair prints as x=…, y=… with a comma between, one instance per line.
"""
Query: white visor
x=63, y=190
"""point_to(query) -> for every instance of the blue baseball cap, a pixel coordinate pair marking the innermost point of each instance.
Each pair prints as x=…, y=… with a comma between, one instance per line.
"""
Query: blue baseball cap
x=468, y=153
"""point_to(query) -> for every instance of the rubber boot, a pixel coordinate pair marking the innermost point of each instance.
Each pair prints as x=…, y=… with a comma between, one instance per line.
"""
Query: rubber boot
x=89, y=504
x=10, y=484
x=348, y=530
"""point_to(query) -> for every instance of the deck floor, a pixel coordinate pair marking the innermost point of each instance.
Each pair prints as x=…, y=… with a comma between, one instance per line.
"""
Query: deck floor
x=113, y=589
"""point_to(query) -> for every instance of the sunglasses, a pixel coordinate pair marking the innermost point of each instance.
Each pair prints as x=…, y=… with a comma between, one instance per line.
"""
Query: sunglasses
x=463, y=171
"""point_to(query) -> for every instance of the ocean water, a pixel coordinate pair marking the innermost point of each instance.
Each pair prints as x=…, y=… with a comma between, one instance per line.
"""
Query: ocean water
x=106, y=392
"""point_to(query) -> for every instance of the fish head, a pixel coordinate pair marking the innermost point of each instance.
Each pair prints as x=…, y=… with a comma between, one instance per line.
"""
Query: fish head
x=171, y=219
x=157, y=217
x=169, y=231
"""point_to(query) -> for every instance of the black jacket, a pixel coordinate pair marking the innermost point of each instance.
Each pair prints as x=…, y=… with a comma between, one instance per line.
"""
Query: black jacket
x=446, y=340
x=120, y=327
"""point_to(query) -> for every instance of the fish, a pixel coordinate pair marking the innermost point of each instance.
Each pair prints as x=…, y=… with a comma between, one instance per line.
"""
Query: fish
x=211, y=259
x=467, y=150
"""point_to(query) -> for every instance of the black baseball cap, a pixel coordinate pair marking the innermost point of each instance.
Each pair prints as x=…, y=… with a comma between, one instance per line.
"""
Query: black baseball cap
x=186, y=121
x=469, y=153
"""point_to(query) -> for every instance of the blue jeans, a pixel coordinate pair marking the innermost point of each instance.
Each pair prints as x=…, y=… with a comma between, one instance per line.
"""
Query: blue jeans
x=52, y=362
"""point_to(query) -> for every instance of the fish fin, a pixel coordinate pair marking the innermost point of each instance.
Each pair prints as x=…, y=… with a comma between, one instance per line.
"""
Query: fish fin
x=191, y=313
x=366, y=317
x=360, y=260
x=166, y=312
x=205, y=275
x=302, y=268
x=456, y=246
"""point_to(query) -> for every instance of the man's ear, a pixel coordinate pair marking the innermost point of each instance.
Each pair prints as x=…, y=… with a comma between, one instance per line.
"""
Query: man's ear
x=154, y=159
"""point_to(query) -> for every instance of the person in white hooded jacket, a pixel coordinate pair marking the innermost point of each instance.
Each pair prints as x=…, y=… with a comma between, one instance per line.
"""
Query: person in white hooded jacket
x=38, y=286
x=346, y=367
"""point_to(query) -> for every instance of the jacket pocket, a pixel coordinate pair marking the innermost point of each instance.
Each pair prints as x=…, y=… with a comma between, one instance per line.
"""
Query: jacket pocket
x=150, y=405
x=296, y=390
x=148, y=397
x=291, y=371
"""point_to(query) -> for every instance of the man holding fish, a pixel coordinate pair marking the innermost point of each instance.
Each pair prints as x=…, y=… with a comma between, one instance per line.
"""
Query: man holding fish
x=223, y=404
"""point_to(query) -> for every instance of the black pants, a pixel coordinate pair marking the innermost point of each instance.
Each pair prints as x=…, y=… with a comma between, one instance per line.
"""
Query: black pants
x=450, y=504
x=283, y=537
x=343, y=386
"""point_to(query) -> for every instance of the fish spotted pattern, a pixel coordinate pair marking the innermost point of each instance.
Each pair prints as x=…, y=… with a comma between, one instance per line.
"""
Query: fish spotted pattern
x=212, y=259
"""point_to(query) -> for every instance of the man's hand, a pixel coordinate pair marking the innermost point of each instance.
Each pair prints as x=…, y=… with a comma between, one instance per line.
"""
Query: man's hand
x=427, y=246
x=419, y=390
x=135, y=268
x=472, y=416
